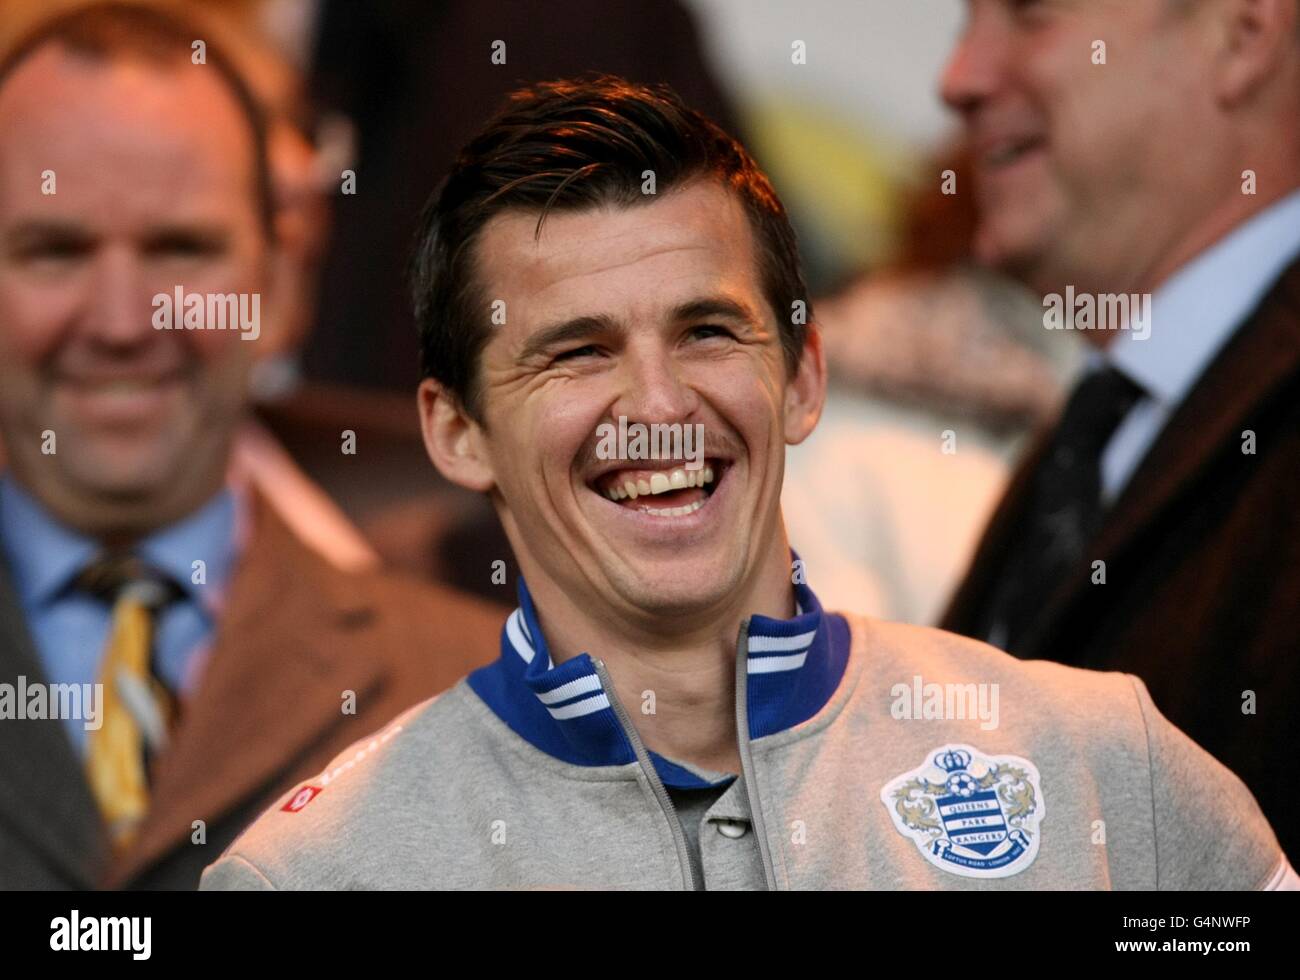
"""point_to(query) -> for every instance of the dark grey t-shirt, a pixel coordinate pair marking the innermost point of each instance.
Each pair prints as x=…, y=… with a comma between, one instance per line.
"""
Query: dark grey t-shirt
x=691, y=806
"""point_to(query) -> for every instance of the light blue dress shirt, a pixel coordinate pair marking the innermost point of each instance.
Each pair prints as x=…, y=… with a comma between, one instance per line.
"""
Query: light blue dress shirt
x=1193, y=315
x=71, y=628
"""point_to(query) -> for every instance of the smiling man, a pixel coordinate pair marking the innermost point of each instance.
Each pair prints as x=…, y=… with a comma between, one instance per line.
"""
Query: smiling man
x=136, y=559
x=672, y=707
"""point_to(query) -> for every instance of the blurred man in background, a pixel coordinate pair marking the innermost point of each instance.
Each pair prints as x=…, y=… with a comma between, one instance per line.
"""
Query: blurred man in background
x=220, y=657
x=920, y=349
x=1136, y=148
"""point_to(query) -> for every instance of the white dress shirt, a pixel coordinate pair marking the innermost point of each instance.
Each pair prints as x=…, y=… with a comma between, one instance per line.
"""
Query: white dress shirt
x=1193, y=315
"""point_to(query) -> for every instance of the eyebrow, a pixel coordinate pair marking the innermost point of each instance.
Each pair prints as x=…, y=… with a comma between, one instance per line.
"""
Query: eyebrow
x=26, y=232
x=210, y=235
x=577, y=328
x=716, y=306
x=582, y=327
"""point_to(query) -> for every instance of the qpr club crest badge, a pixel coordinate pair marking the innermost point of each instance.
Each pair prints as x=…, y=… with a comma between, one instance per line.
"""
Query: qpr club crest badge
x=970, y=814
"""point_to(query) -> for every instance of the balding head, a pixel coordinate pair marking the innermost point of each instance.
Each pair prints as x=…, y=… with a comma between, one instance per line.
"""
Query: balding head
x=120, y=31
x=1112, y=137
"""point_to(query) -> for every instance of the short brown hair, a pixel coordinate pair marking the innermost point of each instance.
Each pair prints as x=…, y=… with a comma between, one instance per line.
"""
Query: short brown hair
x=571, y=145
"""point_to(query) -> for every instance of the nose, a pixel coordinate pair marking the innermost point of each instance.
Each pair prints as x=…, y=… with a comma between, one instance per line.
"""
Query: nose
x=653, y=387
x=974, y=69
x=118, y=305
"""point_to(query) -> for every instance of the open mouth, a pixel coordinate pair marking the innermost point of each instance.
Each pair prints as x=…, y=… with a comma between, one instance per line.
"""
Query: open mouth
x=125, y=399
x=1005, y=152
x=673, y=491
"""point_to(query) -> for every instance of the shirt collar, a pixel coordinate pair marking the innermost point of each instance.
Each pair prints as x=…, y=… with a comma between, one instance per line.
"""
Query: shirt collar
x=209, y=535
x=794, y=666
x=44, y=555
x=1198, y=309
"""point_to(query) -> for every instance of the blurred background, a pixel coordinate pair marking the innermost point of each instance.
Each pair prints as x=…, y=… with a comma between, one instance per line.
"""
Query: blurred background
x=939, y=371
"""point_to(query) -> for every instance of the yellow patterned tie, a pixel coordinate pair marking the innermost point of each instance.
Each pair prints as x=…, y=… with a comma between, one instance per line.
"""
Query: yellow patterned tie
x=135, y=708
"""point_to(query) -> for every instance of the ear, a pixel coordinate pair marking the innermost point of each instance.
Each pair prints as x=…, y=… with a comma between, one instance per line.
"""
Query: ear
x=453, y=440
x=806, y=393
x=1255, y=39
x=283, y=317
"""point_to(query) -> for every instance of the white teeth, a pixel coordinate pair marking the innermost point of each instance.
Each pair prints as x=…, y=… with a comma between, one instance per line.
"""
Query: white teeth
x=678, y=479
x=1000, y=156
x=1006, y=152
x=120, y=387
x=673, y=511
x=661, y=482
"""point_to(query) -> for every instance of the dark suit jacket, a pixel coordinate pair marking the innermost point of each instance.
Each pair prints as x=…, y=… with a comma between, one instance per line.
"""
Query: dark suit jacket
x=1202, y=552
x=296, y=633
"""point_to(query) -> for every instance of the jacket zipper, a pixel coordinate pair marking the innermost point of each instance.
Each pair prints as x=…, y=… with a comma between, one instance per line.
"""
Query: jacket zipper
x=656, y=784
x=746, y=756
x=746, y=763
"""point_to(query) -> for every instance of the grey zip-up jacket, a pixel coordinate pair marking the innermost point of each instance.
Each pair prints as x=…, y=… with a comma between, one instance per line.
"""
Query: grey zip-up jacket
x=873, y=755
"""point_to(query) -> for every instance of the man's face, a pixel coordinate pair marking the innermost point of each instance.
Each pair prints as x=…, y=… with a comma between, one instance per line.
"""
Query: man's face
x=153, y=177
x=1083, y=170
x=653, y=313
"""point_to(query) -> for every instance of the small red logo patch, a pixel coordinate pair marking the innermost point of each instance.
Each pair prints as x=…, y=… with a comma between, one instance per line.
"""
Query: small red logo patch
x=301, y=799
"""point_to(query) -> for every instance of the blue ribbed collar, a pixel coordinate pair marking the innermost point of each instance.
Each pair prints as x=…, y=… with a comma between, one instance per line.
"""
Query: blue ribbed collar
x=794, y=666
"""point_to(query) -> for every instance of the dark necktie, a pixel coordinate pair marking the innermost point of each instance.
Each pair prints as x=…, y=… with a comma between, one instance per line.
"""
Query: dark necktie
x=1065, y=511
x=137, y=710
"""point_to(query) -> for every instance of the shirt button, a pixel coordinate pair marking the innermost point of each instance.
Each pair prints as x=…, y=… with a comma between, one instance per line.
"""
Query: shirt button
x=732, y=828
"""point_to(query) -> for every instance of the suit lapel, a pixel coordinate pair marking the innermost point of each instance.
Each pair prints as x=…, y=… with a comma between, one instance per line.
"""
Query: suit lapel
x=1257, y=361
x=1259, y=358
x=43, y=793
x=271, y=690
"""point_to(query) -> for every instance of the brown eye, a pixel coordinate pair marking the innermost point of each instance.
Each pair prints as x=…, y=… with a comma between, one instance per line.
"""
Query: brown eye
x=55, y=251
x=575, y=352
x=708, y=330
x=1027, y=6
x=183, y=247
